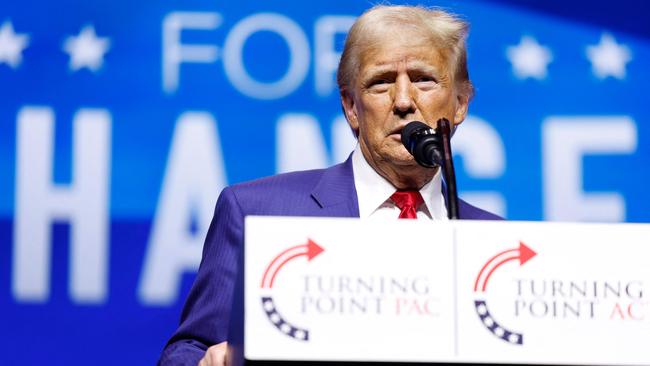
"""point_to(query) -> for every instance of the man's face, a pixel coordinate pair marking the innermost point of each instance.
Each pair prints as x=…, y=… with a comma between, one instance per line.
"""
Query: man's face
x=400, y=80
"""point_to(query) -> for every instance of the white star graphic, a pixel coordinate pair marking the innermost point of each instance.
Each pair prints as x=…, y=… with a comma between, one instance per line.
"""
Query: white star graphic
x=86, y=49
x=608, y=58
x=12, y=45
x=529, y=59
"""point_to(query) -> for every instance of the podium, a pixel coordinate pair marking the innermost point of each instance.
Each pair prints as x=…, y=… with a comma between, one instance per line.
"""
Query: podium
x=351, y=290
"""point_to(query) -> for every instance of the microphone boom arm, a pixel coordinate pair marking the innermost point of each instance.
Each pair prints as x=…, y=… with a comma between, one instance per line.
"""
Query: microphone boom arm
x=444, y=129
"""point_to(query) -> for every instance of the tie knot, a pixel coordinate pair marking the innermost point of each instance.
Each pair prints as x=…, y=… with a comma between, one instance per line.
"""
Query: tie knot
x=408, y=202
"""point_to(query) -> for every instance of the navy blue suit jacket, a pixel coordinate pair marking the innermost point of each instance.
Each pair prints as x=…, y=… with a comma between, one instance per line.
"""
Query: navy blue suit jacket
x=325, y=192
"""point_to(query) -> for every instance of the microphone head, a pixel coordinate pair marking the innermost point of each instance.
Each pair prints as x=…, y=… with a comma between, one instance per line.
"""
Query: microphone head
x=423, y=143
x=410, y=130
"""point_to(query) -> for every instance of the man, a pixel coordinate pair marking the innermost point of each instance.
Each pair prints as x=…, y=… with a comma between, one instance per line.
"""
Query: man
x=399, y=64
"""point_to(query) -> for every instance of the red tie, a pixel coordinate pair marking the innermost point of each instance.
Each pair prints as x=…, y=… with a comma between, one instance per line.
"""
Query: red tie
x=408, y=202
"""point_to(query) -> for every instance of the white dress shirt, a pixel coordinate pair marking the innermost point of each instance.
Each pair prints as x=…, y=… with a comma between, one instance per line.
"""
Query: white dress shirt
x=374, y=191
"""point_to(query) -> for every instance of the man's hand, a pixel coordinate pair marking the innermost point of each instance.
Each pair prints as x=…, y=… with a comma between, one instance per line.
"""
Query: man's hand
x=215, y=355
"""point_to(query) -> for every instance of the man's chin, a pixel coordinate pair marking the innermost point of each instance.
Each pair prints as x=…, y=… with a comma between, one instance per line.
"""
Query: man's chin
x=396, y=156
x=403, y=159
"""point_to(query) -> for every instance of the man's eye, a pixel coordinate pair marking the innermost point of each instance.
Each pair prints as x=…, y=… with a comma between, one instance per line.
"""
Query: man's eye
x=379, y=85
x=378, y=82
x=424, y=79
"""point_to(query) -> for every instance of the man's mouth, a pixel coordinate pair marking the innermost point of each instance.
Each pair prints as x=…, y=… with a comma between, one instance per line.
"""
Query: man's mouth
x=398, y=129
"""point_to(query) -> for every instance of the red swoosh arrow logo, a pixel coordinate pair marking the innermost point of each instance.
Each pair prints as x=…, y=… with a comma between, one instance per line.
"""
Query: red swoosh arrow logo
x=523, y=253
x=309, y=249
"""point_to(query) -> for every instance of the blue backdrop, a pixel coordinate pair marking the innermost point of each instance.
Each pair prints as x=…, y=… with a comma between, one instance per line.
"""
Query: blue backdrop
x=120, y=123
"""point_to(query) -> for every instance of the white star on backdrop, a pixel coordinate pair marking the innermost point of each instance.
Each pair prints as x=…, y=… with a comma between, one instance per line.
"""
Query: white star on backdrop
x=608, y=58
x=12, y=45
x=529, y=59
x=86, y=49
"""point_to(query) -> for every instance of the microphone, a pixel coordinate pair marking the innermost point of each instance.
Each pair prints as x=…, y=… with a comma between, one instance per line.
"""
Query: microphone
x=423, y=143
x=430, y=148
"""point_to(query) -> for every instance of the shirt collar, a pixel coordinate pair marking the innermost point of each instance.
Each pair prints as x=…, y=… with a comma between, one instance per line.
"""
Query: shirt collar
x=373, y=190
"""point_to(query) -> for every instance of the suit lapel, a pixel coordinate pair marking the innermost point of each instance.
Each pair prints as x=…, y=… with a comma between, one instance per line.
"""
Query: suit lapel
x=335, y=193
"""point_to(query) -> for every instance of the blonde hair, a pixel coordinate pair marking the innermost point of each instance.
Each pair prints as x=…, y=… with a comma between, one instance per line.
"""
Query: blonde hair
x=446, y=32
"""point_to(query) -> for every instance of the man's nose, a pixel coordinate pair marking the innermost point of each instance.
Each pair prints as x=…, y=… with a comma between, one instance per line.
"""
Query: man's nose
x=403, y=103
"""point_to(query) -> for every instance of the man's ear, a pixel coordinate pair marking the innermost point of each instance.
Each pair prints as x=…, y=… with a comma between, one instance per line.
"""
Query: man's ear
x=462, y=103
x=350, y=110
